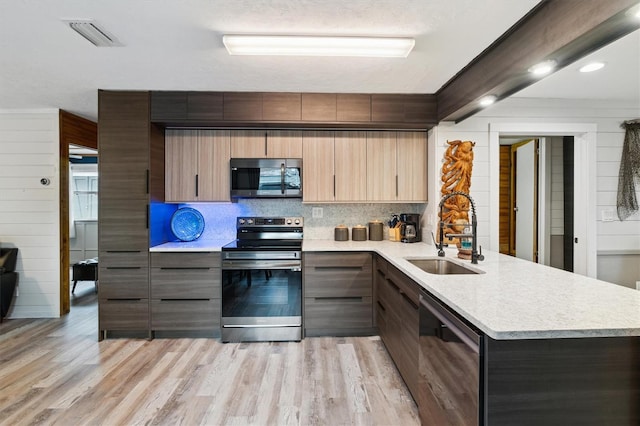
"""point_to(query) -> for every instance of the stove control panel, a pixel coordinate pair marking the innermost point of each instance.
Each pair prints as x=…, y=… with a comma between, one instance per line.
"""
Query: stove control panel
x=269, y=221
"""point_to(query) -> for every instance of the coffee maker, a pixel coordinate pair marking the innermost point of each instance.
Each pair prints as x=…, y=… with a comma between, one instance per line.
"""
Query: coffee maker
x=410, y=228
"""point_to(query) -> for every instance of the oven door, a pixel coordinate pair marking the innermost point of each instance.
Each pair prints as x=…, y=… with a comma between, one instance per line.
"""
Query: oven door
x=261, y=299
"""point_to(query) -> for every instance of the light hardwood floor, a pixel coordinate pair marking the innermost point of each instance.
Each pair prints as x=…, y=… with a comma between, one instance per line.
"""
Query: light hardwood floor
x=54, y=371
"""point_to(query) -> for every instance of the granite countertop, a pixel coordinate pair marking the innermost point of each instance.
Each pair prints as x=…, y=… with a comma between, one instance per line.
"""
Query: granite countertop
x=512, y=299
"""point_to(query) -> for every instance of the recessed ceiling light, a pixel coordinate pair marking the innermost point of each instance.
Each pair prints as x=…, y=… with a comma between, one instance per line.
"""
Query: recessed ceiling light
x=593, y=66
x=488, y=100
x=246, y=44
x=543, y=68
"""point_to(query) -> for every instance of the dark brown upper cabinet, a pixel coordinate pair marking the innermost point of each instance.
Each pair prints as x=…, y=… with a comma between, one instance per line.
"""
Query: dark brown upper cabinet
x=353, y=107
x=281, y=106
x=240, y=106
x=320, y=107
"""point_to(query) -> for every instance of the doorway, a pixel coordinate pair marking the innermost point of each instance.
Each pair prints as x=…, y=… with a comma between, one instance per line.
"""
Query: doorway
x=536, y=199
x=584, y=198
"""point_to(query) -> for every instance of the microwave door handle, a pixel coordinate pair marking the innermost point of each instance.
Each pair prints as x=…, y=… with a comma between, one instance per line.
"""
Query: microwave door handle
x=282, y=178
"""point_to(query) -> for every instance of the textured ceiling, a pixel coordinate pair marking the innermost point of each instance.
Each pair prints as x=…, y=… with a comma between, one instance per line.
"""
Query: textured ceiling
x=177, y=45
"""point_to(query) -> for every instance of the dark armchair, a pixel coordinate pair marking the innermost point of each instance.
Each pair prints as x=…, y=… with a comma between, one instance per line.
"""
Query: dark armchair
x=8, y=278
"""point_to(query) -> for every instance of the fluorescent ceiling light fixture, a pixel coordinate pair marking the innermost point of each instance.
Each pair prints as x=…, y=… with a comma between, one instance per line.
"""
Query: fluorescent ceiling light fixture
x=593, y=66
x=93, y=32
x=488, y=100
x=543, y=68
x=389, y=47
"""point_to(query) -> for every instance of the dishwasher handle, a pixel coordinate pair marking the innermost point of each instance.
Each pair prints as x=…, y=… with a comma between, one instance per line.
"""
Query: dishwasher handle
x=465, y=333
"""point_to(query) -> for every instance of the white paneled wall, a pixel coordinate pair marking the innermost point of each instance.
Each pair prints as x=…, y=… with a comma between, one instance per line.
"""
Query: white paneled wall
x=557, y=186
x=29, y=210
x=606, y=116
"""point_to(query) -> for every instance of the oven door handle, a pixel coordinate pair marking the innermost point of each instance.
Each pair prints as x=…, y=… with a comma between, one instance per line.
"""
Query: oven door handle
x=294, y=265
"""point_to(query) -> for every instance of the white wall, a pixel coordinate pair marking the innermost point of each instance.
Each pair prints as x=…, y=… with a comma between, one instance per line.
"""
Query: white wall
x=29, y=211
x=606, y=116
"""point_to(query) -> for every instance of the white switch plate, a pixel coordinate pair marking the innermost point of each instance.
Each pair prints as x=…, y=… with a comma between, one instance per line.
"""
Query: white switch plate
x=317, y=212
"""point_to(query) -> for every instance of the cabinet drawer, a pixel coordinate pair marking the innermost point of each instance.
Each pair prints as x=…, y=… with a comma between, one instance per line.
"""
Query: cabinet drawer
x=337, y=313
x=183, y=283
x=185, y=314
x=123, y=258
x=334, y=260
x=123, y=283
x=406, y=284
x=328, y=275
x=185, y=260
x=389, y=295
x=124, y=314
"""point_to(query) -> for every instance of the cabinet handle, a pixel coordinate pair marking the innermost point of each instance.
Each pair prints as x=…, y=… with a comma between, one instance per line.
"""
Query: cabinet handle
x=265, y=144
x=334, y=186
x=396, y=185
x=196, y=185
x=353, y=298
x=405, y=297
x=382, y=306
x=395, y=287
x=169, y=268
x=338, y=268
x=124, y=267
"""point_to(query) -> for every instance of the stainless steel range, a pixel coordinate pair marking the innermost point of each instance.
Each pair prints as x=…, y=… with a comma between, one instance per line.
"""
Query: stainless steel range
x=262, y=280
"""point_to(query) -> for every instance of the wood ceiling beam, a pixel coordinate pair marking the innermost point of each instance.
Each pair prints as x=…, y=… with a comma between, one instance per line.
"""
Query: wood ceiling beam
x=562, y=30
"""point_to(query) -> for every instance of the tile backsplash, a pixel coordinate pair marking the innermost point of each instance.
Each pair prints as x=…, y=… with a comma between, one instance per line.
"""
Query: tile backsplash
x=220, y=217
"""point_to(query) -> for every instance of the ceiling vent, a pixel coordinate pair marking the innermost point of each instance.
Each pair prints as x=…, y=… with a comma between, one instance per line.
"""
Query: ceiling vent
x=93, y=32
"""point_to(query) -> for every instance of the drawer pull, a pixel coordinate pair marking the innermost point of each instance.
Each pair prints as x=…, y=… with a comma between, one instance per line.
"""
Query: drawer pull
x=171, y=268
x=411, y=302
x=183, y=300
x=124, y=267
x=382, y=306
x=339, y=268
x=354, y=298
x=395, y=287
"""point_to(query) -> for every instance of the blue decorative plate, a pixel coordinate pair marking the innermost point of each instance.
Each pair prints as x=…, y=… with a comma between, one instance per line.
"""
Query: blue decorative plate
x=187, y=224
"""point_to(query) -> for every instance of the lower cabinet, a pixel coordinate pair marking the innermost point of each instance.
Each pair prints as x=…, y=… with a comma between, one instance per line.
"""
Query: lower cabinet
x=398, y=319
x=185, y=291
x=338, y=294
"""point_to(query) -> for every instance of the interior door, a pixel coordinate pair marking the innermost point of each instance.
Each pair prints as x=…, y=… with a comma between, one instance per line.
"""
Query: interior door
x=525, y=200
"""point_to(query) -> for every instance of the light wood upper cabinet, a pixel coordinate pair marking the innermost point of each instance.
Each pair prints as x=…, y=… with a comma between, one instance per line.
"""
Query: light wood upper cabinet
x=412, y=166
x=382, y=173
x=266, y=144
x=397, y=166
x=350, y=163
x=197, y=165
x=318, y=170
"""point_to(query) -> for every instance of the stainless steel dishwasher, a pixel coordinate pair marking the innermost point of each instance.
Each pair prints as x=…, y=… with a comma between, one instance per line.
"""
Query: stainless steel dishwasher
x=451, y=368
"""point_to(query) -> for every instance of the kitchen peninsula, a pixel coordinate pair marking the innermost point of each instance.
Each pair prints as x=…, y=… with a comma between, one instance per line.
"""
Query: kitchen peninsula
x=558, y=346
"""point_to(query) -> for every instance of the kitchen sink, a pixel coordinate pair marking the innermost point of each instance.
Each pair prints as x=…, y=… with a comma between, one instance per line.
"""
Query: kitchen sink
x=440, y=266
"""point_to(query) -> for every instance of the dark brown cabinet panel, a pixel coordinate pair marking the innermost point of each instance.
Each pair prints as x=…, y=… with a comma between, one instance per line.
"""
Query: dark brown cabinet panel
x=353, y=107
x=320, y=107
x=204, y=106
x=127, y=314
x=387, y=108
x=124, y=138
x=240, y=106
x=339, y=313
x=338, y=290
x=168, y=106
x=186, y=315
x=281, y=106
x=398, y=319
x=124, y=282
x=185, y=291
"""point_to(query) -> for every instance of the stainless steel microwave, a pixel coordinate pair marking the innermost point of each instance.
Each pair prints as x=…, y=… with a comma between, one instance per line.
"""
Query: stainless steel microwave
x=266, y=178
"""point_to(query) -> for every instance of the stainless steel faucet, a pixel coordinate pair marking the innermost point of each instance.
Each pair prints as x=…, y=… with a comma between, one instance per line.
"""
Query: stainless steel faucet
x=475, y=256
